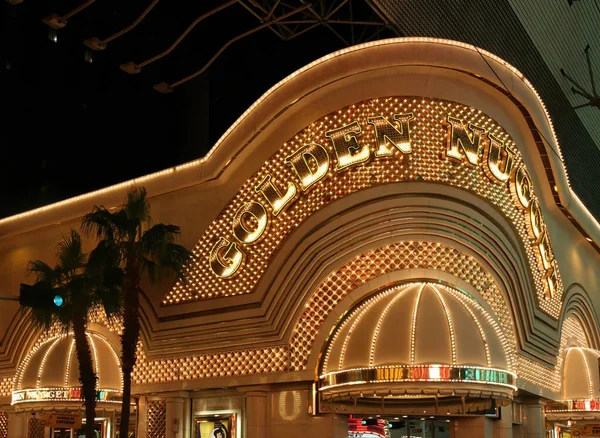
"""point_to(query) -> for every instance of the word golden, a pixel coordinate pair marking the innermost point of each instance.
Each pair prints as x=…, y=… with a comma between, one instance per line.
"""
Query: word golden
x=312, y=162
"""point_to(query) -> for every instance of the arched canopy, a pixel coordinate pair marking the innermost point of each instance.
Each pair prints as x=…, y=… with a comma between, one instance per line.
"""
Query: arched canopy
x=49, y=376
x=580, y=386
x=422, y=341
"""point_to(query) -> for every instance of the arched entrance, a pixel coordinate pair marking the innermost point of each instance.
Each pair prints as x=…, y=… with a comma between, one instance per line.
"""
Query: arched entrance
x=47, y=392
x=415, y=355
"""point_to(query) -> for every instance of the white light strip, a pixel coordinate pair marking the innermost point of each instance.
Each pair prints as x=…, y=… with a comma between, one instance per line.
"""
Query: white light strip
x=44, y=359
x=339, y=329
x=69, y=356
x=95, y=355
x=591, y=350
x=25, y=362
x=461, y=299
x=589, y=375
x=466, y=302
x=61, y=394
x=414, y=326
x=449, y=320
x=356, y=48
x=114, y=353
x=359, y=382
x=379, y=322
x=323, y=376
x=363, y=312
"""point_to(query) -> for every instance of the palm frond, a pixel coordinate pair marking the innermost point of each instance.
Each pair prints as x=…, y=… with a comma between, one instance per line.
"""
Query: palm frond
x=43, y=318
x=178, y=257
x=43, y=271
x=109, y=294
x=99, y=222
x=137, y=206
x=125, y=228
x=155, y=240
x=64, y=317
x=106, y=253
x=157, y=244
x=69, y=252
x=152, y=269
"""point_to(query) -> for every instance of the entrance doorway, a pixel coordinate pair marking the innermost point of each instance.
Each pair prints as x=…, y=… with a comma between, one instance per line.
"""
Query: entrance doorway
x=60, y=433
x=400, y=427
x=215, y=426
x=421, y=428
x=100, y=426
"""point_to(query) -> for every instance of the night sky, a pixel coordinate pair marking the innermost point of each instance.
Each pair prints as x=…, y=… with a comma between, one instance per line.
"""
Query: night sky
x=70, y=126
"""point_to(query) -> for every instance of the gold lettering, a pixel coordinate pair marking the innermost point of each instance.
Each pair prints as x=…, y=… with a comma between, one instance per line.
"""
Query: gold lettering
x=499, y=158
x=250, y=222
x=311, y=163
x=521, y=187
x=276, y=200
x=535, y=218
x=551, y=282
x=545, y=250
x=459, y=138
x=387, y=135
x=225, y=258
x=347, y=149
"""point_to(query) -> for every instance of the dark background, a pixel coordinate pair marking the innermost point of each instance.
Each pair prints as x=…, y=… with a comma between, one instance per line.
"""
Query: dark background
x=71, y=126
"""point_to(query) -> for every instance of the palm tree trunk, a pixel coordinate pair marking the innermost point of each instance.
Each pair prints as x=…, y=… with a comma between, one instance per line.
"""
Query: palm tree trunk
x=129, y=340
x=87, y=377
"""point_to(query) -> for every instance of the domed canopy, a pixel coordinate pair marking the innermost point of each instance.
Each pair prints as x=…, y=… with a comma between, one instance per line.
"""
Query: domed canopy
x=51, y=372
x=580, y=374
x=418, y=339
x=580, y=385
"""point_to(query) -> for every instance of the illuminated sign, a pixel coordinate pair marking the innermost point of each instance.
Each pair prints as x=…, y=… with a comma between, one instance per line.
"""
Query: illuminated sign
x=584, y=405
x=62, y=394
x=370, y=143
x=66, y=421
x=419, y=373
x=586, y=430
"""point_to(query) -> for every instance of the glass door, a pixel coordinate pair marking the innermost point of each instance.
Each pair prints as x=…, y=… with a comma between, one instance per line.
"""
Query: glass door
x=215, y=426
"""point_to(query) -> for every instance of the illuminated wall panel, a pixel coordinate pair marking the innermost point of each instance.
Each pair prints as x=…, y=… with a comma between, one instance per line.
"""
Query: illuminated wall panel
x=374, y=142
x=410, y=255
x=157, y=418
x=3, y=425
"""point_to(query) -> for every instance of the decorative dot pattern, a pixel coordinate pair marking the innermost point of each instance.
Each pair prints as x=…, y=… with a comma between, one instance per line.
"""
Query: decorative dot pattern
x=550, y=378
x=6, y=386
x=3, y=425
x=426, y=163
x=114, y=324
x=572, y=329
x=229, y=363
x=157, y=419
x=394, y=257
x=35, y=429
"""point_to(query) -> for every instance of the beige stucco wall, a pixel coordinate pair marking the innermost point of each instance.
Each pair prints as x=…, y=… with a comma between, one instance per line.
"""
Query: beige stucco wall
x=192, y=195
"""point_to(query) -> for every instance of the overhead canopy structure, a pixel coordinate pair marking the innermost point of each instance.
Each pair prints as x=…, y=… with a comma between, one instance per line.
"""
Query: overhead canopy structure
x=420, y=347
x=580, y=386
x=48, y=379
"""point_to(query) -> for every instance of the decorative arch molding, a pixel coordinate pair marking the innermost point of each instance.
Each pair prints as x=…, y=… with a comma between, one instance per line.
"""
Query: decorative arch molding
x=97, y=331
x=23, y=337
x=353, y=225
x=340, y=290
x=395, y=278
x=394, y=139
x=577, y=304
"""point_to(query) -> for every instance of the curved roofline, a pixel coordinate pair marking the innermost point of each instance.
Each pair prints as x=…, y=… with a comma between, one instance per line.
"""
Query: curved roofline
x=583, y=219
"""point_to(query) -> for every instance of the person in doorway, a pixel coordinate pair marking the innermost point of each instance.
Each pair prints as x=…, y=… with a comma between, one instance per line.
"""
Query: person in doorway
x=219, y=433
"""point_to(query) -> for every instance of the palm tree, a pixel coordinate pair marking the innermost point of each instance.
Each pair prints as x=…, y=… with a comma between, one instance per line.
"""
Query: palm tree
x=144, y=249
x=84, y=282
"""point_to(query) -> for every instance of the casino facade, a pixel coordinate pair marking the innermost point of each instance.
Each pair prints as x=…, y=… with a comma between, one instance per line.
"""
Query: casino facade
x=386, y=244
